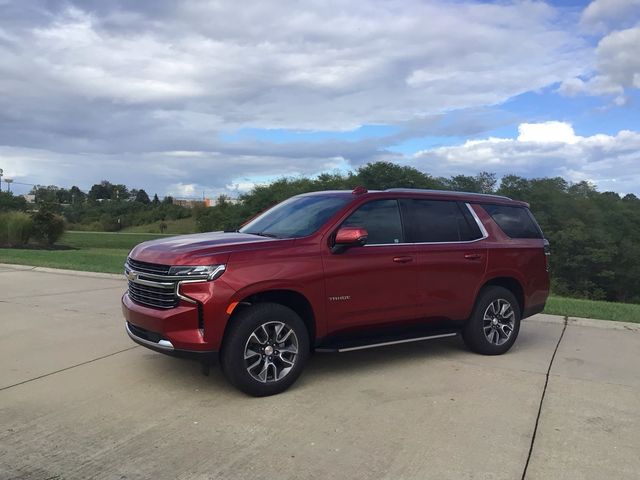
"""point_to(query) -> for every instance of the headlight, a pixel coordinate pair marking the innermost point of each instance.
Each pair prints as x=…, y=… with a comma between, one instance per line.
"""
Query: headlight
x=211, y=272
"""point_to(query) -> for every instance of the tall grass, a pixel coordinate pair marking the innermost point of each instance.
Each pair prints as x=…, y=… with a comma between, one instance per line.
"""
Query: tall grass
x=15, y=229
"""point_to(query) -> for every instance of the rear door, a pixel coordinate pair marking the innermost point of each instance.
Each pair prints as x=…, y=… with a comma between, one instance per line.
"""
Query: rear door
x=452, y=257
x=376, y=283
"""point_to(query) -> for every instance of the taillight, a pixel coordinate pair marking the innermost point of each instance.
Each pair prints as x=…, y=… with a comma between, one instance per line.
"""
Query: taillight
x=547, y=253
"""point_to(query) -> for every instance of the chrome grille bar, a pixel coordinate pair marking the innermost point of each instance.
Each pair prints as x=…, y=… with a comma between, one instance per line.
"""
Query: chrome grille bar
x=151, y=284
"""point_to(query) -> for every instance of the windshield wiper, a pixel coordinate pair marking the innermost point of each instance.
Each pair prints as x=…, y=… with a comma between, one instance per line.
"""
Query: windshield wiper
x=264, y=234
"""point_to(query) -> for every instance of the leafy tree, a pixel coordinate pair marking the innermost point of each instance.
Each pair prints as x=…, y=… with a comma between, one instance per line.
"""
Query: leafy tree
x=484, y=182
x=101, y=191
x=77, y=196
x=142, y=197
x=48, y=227
x=594, y=236
x=384, y=175
x=10, y=202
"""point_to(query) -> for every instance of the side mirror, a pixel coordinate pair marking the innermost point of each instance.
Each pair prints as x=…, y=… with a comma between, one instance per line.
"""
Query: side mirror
x=349, y=237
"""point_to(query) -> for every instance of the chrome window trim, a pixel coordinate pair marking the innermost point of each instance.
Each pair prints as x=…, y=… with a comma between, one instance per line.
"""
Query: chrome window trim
x=483, y=231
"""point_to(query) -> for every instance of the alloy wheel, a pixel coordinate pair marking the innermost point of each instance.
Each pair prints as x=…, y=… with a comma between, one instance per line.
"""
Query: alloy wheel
x=498, y=321
x=271, y=351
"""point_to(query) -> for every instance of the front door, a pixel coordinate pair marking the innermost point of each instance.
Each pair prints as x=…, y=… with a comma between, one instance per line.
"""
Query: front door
x=376, y=283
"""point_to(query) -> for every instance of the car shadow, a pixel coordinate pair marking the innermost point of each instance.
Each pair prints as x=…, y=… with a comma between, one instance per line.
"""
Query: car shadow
x=187, y=374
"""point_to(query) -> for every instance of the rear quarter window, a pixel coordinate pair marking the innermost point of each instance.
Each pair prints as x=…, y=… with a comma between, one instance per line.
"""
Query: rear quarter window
x=433, y=221
x=516, y=222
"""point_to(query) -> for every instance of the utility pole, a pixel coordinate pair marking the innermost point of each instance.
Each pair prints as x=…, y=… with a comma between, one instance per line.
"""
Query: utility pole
x=8, y=181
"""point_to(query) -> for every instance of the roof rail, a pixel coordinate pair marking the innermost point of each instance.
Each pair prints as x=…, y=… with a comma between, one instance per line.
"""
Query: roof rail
x=425, y=190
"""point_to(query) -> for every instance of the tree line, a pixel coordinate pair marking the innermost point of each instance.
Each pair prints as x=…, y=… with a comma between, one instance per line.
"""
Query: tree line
x=594, y=236
x=107, y=206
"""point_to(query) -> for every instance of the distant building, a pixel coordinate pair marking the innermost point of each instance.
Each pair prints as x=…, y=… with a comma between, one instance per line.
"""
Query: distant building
x=29, y=198
x=206, y=202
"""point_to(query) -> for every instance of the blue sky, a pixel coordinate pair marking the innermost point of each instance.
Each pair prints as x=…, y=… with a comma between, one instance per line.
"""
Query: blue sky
x=189, y=97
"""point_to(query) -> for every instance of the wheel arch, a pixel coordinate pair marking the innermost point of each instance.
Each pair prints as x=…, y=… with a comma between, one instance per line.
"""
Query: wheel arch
x=510, y=283
x=292, y=299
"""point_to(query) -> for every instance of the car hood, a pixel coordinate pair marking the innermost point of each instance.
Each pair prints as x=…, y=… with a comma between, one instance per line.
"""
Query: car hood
x=200, y=249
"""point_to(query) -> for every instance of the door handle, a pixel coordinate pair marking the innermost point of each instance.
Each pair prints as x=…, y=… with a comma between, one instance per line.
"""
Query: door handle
x=405, y=259
x=472, y=256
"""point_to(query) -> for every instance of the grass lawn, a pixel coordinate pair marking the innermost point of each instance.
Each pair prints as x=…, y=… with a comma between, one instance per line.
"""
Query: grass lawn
x=106, y=252
x=574, y=307
x=175, y=227
x=91, y=251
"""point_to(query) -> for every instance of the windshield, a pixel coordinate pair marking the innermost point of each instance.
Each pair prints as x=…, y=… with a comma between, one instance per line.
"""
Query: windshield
x=296, y=217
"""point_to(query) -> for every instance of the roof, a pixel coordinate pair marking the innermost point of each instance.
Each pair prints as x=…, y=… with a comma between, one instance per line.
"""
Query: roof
x=448, y=194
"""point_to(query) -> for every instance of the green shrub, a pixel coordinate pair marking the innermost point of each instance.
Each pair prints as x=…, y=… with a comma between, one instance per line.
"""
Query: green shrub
x=48, y=227
x=15, y=229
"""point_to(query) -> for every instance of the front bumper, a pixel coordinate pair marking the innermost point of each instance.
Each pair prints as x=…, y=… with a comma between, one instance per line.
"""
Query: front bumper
x=156, y=342
x=178, y=327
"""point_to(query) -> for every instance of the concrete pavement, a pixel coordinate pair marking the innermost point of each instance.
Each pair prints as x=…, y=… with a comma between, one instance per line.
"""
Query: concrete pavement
x=79, y=400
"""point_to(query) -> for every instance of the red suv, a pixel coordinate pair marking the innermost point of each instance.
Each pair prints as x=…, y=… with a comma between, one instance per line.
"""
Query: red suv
x=339, y=271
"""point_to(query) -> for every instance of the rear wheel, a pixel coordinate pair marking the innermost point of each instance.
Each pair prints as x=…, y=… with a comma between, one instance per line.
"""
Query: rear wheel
x=494, y=323
x=265, y=350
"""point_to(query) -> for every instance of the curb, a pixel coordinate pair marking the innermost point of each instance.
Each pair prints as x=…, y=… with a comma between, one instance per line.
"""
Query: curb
x=61, y=271
x=608, y=324
x=584, y=322
x=546, y=318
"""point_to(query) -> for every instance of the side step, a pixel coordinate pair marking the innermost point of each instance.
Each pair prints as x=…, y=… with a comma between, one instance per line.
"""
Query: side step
x=362, y=344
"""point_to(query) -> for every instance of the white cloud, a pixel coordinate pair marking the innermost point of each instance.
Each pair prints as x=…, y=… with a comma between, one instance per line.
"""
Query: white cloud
x=241, y=186
x=610, y=161
x=183, y=190
x=618, y=67
x=547, y=132
x=140, y=92
x=327, y=65
x=180, y=175
x=619, y=58
x=617, y=63
x=601, y=15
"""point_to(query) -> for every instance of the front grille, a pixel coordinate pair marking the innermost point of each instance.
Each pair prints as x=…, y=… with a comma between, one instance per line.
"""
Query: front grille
x=149, y=288
x=153, y=296
x=144, y=267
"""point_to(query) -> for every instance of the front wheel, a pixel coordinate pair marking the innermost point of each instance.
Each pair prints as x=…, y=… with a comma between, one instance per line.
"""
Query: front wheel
x=494, y=323
x=265, y=350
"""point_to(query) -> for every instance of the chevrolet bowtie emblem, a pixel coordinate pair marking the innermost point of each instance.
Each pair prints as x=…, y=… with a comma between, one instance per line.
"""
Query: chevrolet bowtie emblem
x=133, y=276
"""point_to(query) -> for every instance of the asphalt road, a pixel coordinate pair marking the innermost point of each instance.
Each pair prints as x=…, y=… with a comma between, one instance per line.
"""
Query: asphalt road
x=79, y=400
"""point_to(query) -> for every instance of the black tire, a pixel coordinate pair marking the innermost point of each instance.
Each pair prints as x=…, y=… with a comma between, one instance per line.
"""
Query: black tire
x=485, y=331
x=251, y=331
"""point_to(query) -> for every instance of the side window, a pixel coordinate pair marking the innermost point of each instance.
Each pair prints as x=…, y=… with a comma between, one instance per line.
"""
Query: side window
x=516, y=222
x=436, y=221
x=473, y=231
x=381, y=218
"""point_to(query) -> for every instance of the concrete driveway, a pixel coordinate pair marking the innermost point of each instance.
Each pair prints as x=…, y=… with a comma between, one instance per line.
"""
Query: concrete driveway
x=79, y=400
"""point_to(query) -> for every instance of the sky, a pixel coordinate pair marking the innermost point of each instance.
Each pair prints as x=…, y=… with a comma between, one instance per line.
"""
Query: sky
x=200, y=97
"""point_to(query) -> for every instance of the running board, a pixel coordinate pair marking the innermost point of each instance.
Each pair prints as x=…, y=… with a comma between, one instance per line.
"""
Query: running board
x=363, y=346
